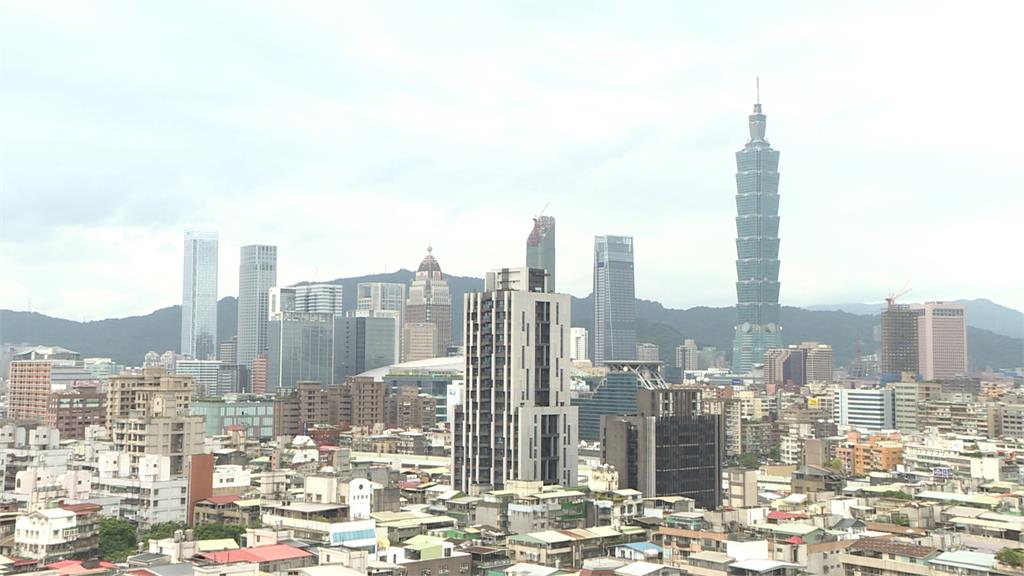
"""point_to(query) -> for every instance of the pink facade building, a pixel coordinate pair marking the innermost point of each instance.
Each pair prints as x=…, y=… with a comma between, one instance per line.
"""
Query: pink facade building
x=942, y=340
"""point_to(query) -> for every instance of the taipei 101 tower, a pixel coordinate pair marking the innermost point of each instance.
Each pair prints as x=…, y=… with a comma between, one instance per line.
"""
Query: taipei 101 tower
x=757, y=248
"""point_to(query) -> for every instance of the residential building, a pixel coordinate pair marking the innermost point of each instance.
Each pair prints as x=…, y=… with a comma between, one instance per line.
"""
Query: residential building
x=687, y=355
x=909, y=396
x=578, y=349
x=53, y=534
x=540, y=248
x=72, y=411
x=668, y=448
x=899, y=351
x=797, y=365
x=204, y=374
x=757, y=248
x=258, y=374
x=647, y=352
x=515, y=421
x=869, y=409
x=33, y=377
x=429, y=302
x=147, y=490
x=942, y=340
x=614, y=300
x=257, y=274
x=199, y=295
x=148, y=414
x=255, y=414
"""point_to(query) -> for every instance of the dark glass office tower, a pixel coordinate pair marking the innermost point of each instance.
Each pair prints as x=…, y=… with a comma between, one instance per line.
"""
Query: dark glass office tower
x=614, y=300
x=757, y=248
x=540, y=248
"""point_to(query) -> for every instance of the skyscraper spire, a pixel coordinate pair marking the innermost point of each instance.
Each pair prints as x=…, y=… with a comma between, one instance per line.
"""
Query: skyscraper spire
x=757, y=120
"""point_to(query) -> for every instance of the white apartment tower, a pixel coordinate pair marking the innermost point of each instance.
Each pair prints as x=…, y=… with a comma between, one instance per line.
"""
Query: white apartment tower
x=578, y=347
x=941, y=340
x=199, y=295
x=515, y=421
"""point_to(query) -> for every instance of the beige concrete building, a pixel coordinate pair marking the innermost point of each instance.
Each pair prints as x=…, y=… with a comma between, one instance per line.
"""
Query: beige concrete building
x=942, y=340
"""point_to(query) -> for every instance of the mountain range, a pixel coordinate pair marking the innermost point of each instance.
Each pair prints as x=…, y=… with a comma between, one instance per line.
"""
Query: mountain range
x=990, y=333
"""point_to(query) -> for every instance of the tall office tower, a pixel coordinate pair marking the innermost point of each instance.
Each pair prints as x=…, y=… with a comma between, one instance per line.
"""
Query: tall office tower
x=319, y=298
x=942, y=340
x=363, y=341
x=899, y=351
x=540, y=247
x=227, y=352
x=614, y=300
x=757, y=248
x=148, y=413
x=785, y=367
x=687, y=355
x=258, y=374
x=300, y=345
x=648, y=352
x=669, y=448
x=515, y=421
x=615, y=394
x=199, y=296
x=430, y=303
x=580, y=338
x=257, y=274
x=865, y=409
x=384, y=297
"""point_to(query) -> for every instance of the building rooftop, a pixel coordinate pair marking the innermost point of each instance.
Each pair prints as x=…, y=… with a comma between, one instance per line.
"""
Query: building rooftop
x=886, y=545
x=215, y=545
x=272, y=553
x=965, y=560
x=761, y=565
x=639, y=568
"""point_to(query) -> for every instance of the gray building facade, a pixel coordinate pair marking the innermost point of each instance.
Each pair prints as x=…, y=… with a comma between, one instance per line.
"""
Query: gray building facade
x=257, y=274
x=363, y=342
x=614, y=300
x=301, y=349
x=540, y=247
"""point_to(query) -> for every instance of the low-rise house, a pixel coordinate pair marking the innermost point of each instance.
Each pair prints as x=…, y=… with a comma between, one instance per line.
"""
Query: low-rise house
x=274, y=559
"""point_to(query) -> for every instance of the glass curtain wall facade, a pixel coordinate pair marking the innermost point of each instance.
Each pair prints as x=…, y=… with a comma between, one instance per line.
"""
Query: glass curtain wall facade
x=199, y=295
x=257, y=274
x=614, y=300
x=757, y=248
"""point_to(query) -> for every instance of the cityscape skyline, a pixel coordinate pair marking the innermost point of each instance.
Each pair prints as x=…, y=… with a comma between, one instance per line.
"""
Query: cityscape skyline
x=665, y=139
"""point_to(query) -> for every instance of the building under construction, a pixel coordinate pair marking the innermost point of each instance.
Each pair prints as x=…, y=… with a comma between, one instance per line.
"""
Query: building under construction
x=899, y=352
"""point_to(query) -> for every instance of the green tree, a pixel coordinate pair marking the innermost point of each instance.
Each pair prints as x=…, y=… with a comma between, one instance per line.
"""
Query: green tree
x=219, y=532
x=161, y=531
x=774, y=454
x=749, y=460
x=1010, y=556
x=117, y=539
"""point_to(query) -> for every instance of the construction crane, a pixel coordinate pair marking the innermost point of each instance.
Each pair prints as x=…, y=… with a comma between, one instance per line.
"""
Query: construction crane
x=890, y=302
x=541, y=213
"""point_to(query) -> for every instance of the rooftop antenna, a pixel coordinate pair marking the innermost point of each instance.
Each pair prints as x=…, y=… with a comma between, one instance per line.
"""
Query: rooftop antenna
x=757, y=85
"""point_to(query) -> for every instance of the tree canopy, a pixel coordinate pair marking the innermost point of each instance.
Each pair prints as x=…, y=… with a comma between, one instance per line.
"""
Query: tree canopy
x=117, y=539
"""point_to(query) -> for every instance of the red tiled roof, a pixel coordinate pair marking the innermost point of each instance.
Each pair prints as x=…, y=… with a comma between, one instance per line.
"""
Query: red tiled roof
x=72, y=567
x=257, y=554
x=794, y=540
x=221, y=500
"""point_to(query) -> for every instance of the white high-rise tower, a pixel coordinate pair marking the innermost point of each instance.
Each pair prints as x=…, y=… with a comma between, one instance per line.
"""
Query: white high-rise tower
x=199, y=295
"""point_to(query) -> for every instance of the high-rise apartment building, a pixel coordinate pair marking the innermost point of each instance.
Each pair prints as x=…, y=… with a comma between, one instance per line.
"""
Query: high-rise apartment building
x=199, y=295
x=797, y=365
x=580, y=339
x=687, y=355
x=149, y=414
x=429, y=302
x=899, y=350
x=614, y=300
x=941, y=340
x=257, y=274
x=757, y=248
x=540, y=247
x=819, y=364
x=515, y=421
x=648, y=352
x=668, y=448
x=34, y=377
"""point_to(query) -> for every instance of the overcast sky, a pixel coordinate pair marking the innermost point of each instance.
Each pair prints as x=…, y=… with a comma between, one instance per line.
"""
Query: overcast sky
x=351, y=135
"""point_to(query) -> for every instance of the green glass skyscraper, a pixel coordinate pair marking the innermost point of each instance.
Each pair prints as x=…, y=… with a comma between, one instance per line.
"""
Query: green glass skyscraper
x=757, y=248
